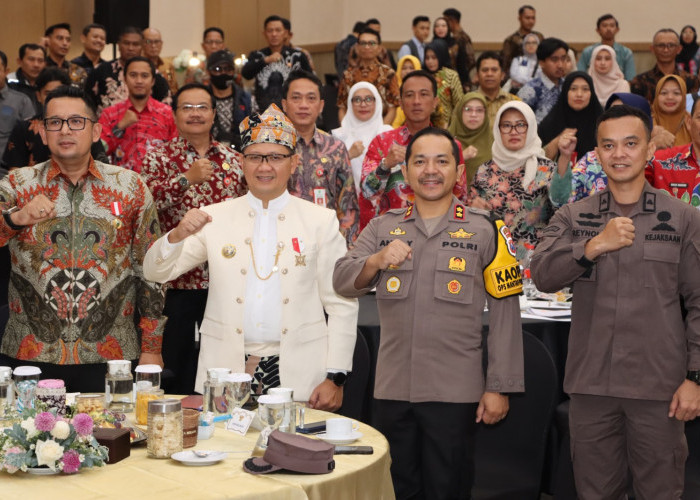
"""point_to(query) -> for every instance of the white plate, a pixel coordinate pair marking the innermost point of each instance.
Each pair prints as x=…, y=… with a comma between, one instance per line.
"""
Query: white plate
x=41, y=471
x=189, y=458
x=340, y=441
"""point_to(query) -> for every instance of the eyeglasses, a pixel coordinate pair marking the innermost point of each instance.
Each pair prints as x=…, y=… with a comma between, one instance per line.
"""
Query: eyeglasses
x=367, y=44
x=74, y=123
x=190, y=108
x=507, y=127
x=369, y=99
x=665, y=46
x=273, y=159
x=153, y=42
x=474, y=111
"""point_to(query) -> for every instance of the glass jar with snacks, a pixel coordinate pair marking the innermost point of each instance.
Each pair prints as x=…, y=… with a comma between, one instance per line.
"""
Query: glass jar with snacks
x=25, y=380
x=148, y=376
x=143, y=397
x=164, y=427
x=119, y=385
x=52, y=392
x=90, y=403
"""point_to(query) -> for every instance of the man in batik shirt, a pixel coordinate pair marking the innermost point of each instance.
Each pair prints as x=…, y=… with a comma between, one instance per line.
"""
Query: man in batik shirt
x=78, y=231
x=132, y=127
x=58, y=40
x=324, y=175
x=190, y=171
x=383, y=184
x=370, y=70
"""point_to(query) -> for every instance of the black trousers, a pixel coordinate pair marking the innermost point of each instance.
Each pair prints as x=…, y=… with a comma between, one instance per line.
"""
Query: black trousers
x=78, y=378
x=431, y=446
x=183, y=308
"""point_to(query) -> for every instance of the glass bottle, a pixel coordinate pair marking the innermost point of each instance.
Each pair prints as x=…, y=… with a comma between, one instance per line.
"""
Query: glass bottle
x=214, y=400
x=119, y=386
x=25, y=380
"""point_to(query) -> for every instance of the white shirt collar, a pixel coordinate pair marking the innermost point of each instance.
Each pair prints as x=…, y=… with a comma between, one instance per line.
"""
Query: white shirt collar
x=275, y=205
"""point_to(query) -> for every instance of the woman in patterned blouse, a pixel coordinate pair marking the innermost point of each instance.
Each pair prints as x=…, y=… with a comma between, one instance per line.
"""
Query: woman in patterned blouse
x=514, y=185
x=437, y=62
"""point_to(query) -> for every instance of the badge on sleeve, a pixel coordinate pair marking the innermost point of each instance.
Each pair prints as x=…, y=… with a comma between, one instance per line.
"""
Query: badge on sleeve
x=393, y=284
x=502, y=276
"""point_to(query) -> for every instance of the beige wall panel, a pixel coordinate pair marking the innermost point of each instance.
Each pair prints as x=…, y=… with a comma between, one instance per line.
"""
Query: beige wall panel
x=24, y=22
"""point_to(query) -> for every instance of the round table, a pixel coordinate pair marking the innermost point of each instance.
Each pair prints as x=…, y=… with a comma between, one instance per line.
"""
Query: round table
x=354, y=477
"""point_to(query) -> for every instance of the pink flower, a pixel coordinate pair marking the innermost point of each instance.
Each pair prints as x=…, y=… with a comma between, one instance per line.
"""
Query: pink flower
x=44, y=421
x=71, y=462
x=83, y=424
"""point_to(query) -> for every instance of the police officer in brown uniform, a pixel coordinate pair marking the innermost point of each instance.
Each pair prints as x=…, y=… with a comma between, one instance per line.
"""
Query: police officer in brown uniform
x=433, y=264
x=631, y=252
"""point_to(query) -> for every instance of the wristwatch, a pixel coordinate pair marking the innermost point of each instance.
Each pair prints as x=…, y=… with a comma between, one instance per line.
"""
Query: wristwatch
x=8, y=220
x=382, y=168
x=182, y=180
x=693, y=376
x=338, y=378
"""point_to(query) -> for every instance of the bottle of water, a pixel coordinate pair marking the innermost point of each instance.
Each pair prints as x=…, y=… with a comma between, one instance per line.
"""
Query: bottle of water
x=529, y=288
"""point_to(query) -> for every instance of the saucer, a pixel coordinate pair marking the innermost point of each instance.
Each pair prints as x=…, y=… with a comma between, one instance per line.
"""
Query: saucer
x=189, y=458
x=354, y=436
x=41, y=471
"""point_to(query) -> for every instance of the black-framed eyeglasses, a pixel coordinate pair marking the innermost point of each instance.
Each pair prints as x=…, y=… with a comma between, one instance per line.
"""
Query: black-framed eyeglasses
x=272, y=159
x=507, y=127
x=74, y=123
x=368, y=99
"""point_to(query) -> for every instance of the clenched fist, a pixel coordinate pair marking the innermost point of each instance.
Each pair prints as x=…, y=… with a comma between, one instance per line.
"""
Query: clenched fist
x=193, y=221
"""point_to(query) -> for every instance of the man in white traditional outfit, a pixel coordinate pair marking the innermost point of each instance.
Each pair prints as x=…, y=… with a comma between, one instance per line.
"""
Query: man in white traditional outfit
x=271, y=259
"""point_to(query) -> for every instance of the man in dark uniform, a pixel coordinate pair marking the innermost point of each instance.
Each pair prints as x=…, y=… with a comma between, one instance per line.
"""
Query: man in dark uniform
x=631, y=252
x=434, y=265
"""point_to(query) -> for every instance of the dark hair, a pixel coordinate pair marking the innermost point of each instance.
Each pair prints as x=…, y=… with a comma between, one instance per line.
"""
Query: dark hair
x=695, y=105
x=452, y=13
x=51, y=74
x=191, y=86
x=272, y=18
x=359, y=26
x=420, y=19
x=74, y=93
x=549, y=46
x=140, y=59
x=372, y=20
x=93, y=26
x=419, y=73
x=442, y=53
x=128, y=30
x=606, y=17
x=440, y=132
x=214, y=29
x=30, y=46
x=523, y=8
x=667, y=30
x=287, y=24
x=370, y=31
x=622, y=111
x=3, y=58
x=300, y=74
x=59, y=26
x=489, y=54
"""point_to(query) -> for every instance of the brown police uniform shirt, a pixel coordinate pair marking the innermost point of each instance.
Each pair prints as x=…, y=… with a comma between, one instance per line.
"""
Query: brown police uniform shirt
x=430, y=309
x=627, y=338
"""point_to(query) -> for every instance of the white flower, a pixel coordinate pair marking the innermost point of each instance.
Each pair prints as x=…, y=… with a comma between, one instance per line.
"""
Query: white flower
x=61, y=430
x=28, y=425
x=81, y=457
x=47, y=452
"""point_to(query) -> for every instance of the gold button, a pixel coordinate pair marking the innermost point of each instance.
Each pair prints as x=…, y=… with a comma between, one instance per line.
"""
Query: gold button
x=238, y=330
x=284, y=331
x=243, y=271
x=284, y=270
x=239, y=300
x=285, y=301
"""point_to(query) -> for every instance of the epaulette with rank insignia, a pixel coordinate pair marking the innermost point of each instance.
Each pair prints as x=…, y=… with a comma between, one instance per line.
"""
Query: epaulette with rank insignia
x=409, y=211
x=459, y=212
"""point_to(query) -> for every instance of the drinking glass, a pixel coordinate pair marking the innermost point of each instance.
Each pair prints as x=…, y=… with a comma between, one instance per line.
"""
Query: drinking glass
x=271, y=411
x=237, y=389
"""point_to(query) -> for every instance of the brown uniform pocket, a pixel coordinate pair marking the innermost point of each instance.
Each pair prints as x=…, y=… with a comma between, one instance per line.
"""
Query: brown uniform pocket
x=661, y=265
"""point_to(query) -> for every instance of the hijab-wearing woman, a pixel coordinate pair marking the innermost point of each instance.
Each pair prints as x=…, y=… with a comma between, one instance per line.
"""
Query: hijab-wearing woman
x=406, y=65
x=470, y=126
x=689, y=57
x=668, y=109
x=606, y=73
x=449, y=87
x=525, y=67
x=576, y=111
x=514, y=184
x=587, y=176
x=362, y=123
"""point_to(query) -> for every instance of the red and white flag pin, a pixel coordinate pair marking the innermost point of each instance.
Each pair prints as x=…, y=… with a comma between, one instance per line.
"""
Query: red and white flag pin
x=117, y=208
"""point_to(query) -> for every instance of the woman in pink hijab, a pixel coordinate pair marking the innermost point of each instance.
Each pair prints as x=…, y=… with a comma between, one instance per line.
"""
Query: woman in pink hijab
x=606, y=73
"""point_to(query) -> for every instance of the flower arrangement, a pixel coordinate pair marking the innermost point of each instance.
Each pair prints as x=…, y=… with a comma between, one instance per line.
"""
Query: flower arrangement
x=43, y=439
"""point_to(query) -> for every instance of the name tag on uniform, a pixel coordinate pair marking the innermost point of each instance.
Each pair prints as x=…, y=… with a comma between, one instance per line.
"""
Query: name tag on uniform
x=320, y=197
